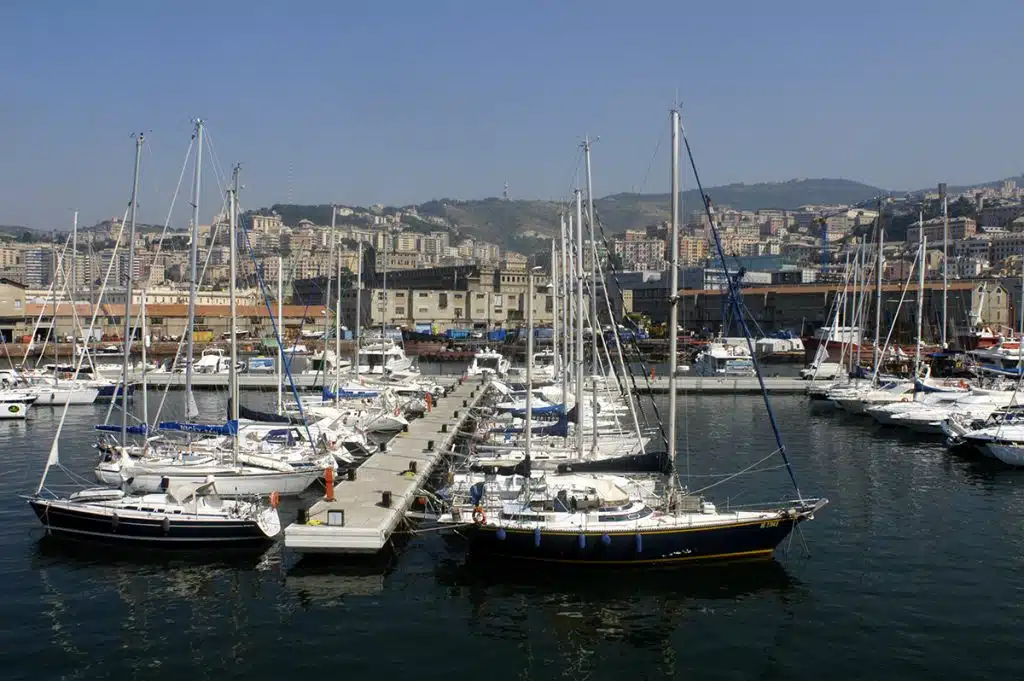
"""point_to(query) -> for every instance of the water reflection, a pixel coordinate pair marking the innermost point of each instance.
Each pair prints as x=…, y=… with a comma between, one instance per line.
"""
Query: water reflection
x=636, y=606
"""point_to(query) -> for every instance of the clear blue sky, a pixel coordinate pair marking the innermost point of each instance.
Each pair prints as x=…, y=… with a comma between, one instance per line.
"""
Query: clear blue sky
x=399, y=102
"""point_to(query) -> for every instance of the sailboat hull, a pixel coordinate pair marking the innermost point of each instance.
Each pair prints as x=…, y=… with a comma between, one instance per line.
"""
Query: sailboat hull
x=730, y=542
x=98, y=523
x=228, y=485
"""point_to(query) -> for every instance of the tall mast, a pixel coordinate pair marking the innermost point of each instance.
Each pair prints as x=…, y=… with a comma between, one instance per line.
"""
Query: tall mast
x=945, y=261
x=359, y=308
x=144, y=359
x=384, y=304
x=337, y=330
x=555, y=338
x=128, y=293
x=193, y=289
x=74, y=257
x=920, y=303
x=579, y=324
x=563, y=312
x=279, y=362
x=327, y=296
x=570, y=294
x=232, y=274
x=673, y=309
x=1020, y=337
x=529, y=363
x=594, y=325
x=878, y=290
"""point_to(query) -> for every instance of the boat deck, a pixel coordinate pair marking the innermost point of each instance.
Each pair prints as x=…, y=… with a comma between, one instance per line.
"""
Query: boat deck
x=365, y=523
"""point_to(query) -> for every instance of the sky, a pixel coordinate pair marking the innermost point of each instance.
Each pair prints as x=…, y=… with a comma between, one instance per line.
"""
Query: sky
x=402, y=102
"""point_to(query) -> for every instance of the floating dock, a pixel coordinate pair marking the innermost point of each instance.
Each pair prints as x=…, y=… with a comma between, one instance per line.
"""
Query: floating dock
x=713, y=385
x=366, y=510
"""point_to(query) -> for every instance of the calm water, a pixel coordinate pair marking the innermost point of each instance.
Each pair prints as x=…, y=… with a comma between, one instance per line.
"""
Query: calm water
x=914, y=572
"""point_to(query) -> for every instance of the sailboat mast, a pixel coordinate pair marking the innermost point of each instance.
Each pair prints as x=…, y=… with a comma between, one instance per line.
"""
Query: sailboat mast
x=920, y=303
x=556, y=339
x=145, y=340
x=563, y=311
x=128, y=292
x=878, y=289
x=279, y=362
x=529, y=363
x=337, y=331
x=673, y=309
x=193, y=289
x=594, y=325
x=945, y=262
x=232, y=307
x=74, y=258
x=327, y=298
x=579, y=324
x=359, y=308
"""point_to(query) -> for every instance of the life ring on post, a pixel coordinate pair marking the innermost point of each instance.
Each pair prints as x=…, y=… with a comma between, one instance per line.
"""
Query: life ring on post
x=479, y=515
x=275, y=499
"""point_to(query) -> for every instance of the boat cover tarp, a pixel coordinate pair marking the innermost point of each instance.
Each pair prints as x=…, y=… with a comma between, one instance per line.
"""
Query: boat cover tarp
x=648, y=462
x=229, y=428
x=264, y=416
x=131, y=430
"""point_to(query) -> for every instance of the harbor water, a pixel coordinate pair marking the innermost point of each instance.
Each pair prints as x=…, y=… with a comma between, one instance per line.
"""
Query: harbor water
x=912, y=572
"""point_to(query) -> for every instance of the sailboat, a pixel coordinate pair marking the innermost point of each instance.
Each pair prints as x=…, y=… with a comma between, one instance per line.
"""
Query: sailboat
x=179, y=515
x=239, y=472
x=600, y=519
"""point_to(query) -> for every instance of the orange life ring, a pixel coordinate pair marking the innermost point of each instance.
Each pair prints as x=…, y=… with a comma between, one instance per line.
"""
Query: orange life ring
x=963, y=384
x=479, y=515
x=275, y=499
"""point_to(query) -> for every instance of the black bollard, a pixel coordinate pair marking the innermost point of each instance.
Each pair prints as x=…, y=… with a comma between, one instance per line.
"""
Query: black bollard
x=382, y=447
x=430, y=445
x=444, y=427
x=351, y=474
x=412, y=466
x=385, y=498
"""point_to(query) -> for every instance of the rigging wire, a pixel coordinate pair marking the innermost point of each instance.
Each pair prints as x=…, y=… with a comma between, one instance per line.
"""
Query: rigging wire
x=734, y=295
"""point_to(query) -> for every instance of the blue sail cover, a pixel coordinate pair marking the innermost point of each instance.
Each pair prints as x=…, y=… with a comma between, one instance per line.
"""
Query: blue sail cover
x=550, y=410
x=131, y=430
x=229, y=428
x=349, y=394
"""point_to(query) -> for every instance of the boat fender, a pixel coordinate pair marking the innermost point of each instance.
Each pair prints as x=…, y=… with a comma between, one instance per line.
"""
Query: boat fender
x=479, y=515
x=166, y=524
x=275, y=499
x=639, y=543
x=536, y=537
x=606, y=539
x=582, y=540
x=500, y=534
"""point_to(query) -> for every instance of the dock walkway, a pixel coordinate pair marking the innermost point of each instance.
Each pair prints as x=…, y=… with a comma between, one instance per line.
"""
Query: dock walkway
x=365, y=524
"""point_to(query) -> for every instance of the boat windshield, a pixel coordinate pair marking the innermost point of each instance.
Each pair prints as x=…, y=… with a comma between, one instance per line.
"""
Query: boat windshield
x=487, y=362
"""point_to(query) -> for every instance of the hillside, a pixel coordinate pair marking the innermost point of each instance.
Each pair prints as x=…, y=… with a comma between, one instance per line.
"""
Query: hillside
x=518, y=224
